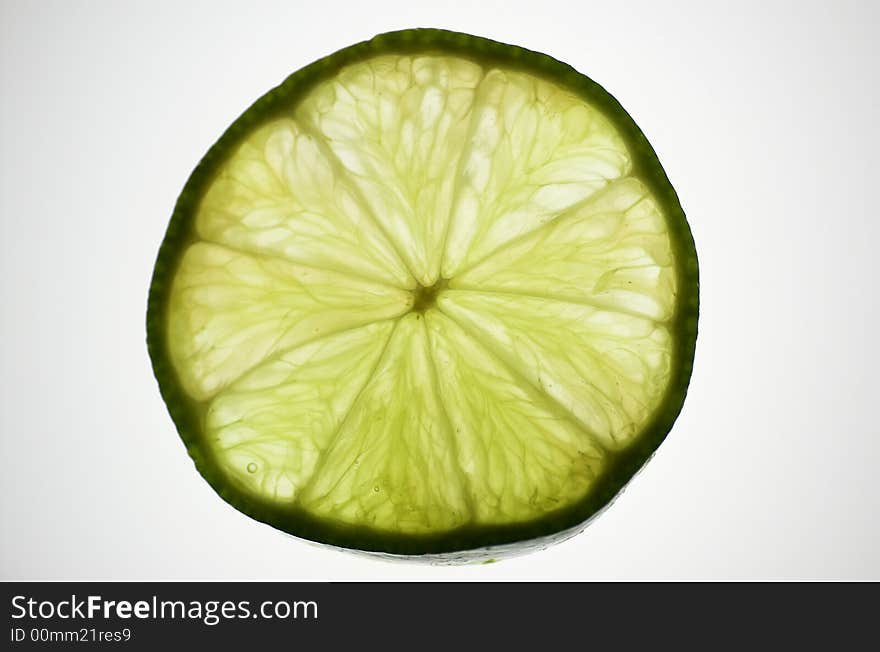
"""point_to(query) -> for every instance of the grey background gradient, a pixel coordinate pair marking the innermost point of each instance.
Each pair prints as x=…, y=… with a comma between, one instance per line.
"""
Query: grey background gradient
x=765, y=116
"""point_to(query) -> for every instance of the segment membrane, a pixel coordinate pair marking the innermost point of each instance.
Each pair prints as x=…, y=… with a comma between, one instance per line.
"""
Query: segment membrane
x=398, y=124
x=521, y=455
x=536, y=150
x=613, y=251
x=279, y=194
x=268, y=429
x=607, y=369
x=229, y=311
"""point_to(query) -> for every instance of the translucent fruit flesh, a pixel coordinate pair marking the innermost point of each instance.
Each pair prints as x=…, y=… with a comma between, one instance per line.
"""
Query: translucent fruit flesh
x=432, y=295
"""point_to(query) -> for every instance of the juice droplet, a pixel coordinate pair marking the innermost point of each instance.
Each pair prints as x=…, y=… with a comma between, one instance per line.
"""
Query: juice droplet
x=252, y=468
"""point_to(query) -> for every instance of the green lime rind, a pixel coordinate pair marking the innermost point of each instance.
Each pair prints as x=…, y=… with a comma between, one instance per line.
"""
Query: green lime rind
x=471, y=542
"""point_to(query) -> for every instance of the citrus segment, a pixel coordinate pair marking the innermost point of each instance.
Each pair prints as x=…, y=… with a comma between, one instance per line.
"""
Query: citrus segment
x=229, y=310
x=279, y=194
x=393, y=464
x=269, y=428
x=536, y=150
x=522, y=457
x=607, y=369
x=398, y=125
x=613, y=251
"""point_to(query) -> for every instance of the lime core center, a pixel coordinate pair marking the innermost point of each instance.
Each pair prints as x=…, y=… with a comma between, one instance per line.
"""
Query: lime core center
x=426, y=297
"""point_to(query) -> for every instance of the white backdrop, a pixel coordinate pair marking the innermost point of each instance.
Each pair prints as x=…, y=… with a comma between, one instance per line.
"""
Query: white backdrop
x=764, y=115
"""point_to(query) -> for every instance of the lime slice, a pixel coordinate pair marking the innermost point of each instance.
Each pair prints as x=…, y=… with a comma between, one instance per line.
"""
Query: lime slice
x=433, y=295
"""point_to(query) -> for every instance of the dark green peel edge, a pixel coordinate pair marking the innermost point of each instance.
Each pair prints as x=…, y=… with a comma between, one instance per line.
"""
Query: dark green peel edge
x=621, y=467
